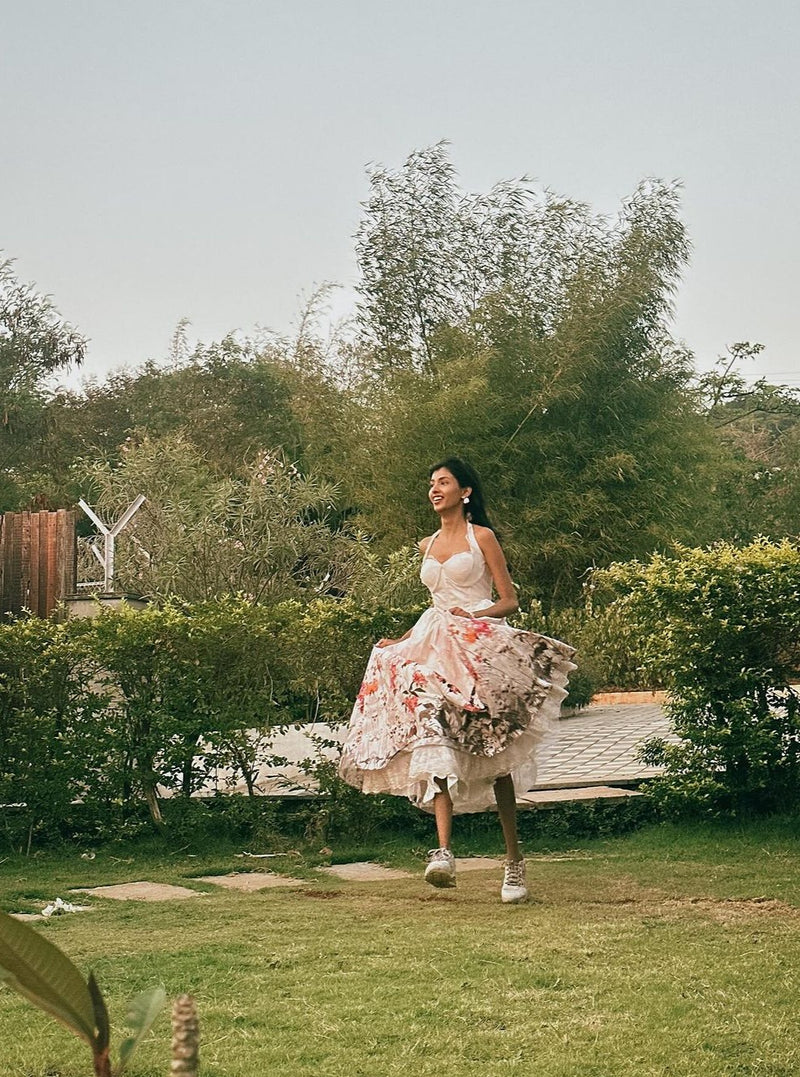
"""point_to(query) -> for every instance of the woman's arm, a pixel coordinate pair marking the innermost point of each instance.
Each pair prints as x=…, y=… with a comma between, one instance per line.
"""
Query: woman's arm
x=506, y=592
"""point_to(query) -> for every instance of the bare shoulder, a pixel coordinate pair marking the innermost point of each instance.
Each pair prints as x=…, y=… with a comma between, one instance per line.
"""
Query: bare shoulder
x=485, y=537
x=424, y=544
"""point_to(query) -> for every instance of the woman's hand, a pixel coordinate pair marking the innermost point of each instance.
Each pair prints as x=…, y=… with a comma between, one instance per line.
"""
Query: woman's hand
x=459, y=611
x=386, y=642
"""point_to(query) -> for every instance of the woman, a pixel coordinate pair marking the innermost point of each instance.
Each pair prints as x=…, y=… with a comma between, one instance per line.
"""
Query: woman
x=450, y=715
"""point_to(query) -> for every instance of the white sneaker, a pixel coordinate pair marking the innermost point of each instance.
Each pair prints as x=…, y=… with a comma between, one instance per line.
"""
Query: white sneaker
x=441, y=869
x=514, y=890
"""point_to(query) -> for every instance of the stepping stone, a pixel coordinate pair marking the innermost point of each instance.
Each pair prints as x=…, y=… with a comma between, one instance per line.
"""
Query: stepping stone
x=249, y=881
x=27, y=917
x=141, y=891
x=478, y=863
x=365, y=872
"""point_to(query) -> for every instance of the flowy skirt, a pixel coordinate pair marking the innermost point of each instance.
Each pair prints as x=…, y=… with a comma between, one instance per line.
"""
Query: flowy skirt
x=462, y=700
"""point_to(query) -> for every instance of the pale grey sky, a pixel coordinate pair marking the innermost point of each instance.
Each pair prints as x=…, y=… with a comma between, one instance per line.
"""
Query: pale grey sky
x=206, y=158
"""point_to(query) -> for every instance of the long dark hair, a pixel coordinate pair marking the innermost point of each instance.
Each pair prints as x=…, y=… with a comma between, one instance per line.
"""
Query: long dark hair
x=466, y=475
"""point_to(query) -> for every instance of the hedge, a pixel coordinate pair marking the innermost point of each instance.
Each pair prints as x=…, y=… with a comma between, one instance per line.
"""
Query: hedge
x=95, y=714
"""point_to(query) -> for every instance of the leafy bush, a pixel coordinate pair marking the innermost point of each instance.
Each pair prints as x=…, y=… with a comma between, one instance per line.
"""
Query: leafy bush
x=721, y=628
x=48, y=714
x=199, y=536
x=99, y=717
x=609, y=645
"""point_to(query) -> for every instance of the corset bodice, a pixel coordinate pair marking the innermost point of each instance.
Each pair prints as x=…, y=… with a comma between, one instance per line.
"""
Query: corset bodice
x=462, y=580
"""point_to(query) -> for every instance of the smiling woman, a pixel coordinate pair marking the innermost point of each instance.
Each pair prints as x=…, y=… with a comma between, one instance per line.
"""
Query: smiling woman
x=452, y=714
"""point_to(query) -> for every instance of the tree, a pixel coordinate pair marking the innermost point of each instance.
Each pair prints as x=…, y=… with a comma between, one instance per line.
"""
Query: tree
x=35, y=342
x=201, y=536
x=532, y=337
x=430, y=255
x=757, y=429
x=230, y=399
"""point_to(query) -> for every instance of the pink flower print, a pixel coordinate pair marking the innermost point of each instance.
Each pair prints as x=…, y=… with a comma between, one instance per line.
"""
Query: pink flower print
x=368, y=688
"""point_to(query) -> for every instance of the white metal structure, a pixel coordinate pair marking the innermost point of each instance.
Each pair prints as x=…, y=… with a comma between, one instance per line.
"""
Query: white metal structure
x=106, y=558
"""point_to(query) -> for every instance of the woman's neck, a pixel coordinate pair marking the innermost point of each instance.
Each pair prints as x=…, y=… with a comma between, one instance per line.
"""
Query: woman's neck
x=453, y=522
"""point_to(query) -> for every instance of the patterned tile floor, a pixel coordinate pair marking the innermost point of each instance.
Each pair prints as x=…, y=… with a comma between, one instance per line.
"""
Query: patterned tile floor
x=599, y=745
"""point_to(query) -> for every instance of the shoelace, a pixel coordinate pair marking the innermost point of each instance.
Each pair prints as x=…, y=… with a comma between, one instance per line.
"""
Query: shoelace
x=439, y=854
x=515, y=874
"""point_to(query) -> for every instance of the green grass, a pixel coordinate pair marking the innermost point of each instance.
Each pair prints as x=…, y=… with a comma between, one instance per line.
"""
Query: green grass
x=672, y=951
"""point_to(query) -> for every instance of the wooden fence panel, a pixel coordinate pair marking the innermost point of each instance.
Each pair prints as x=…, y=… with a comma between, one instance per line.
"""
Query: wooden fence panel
x=38, y=554
x=35, y=558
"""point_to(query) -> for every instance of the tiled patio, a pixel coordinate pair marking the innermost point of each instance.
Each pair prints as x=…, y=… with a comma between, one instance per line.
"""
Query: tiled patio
x=596, y=747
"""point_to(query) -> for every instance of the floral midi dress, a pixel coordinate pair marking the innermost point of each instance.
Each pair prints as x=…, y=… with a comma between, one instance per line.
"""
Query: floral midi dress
x=464, y=700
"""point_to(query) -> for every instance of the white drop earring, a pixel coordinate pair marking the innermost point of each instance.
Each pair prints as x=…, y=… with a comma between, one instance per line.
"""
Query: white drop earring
x=465, y=499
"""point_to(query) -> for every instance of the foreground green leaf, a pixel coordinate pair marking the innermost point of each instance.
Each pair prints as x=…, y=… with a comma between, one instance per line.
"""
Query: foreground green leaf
x=46, y=977
x=142, y=1012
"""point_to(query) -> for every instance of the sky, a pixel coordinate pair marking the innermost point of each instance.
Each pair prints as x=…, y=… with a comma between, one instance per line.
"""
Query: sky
x=206, y=159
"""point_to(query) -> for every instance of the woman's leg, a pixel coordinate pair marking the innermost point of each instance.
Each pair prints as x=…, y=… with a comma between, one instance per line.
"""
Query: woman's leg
x=441, y=869
x=513, y=890
x=443, y=813
x=506, y=797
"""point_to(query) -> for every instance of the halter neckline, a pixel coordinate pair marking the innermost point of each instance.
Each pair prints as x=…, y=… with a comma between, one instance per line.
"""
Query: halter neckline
x=461, y=553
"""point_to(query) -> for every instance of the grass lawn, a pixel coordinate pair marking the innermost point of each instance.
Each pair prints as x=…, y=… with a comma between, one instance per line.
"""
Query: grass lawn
x=672, y=951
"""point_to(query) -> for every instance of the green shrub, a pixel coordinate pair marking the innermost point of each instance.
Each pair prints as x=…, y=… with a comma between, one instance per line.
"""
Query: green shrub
x=331, y=644
x=48, y=714
x=608, y=650
x=721, y=628
x=99, y=717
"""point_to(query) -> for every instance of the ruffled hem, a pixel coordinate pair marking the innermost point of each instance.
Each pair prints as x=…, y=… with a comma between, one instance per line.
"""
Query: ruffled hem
x=470, y=778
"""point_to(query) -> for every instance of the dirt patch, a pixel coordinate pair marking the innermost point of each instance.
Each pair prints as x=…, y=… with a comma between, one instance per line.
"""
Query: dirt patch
x=736, y=910
x=478, y=863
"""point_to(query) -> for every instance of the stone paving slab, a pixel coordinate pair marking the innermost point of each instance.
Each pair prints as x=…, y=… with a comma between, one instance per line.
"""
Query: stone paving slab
x=478, y=863
x=32, y=917
x=365, y=872
x=249, y=882
x=139, y=891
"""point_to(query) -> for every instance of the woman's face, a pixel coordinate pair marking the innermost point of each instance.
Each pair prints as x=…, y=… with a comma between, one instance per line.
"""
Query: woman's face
x=444, y=492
